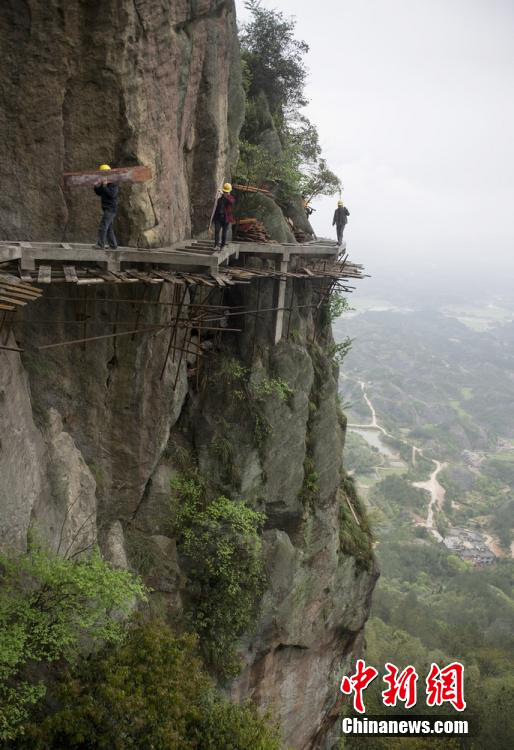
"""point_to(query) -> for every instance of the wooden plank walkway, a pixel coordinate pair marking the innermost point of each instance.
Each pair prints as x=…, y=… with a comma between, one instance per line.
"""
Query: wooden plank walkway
x=184, y=264
x=191, y=254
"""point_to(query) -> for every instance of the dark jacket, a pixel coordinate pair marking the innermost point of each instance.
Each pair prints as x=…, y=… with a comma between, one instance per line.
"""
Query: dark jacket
x=223, y=210
x=340, y=216
x=109, y=195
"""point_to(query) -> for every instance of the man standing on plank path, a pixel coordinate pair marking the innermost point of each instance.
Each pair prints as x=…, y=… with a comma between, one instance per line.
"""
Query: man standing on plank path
x=223, y=216
x=341, y=215
x=108, y=192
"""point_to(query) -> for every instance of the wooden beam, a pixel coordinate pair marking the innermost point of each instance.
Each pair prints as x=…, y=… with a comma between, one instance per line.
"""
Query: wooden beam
x=23, y=293
x=12, y=300
x=117, y=176
x=281, y=299
x=44, y=275
x=9, y=252
x=70, y=274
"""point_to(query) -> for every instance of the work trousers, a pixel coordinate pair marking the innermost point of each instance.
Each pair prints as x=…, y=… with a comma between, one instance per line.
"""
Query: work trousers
x=340, y=230
x=106, y=229
x=220, y=232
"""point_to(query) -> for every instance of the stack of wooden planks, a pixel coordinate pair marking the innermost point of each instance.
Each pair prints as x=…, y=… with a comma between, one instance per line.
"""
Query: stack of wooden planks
x=14, y=295
x=250, y=230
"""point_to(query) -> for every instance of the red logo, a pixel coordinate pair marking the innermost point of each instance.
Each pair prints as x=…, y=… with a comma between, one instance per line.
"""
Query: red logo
x=442, y=685
x=446, y=686
x=358, y=683
x=401, y=687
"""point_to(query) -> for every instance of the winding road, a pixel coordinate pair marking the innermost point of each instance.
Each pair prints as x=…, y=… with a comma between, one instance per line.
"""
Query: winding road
x=437, y=492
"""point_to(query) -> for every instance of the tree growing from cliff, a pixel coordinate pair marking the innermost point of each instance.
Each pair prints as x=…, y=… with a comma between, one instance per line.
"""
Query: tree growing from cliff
x=275, y=59
x=274, y=69
x=149, y=692
x=49, y=606
x=221, y=545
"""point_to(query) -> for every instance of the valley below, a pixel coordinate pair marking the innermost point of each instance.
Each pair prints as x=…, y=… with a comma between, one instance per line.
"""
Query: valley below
x=430, y=445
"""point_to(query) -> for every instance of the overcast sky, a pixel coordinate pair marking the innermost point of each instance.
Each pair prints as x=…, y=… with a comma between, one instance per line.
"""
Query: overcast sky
x=415, y=108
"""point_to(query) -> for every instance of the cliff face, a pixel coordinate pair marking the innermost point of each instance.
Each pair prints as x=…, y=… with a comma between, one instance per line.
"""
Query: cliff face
x=123, y=82
x=92, y=435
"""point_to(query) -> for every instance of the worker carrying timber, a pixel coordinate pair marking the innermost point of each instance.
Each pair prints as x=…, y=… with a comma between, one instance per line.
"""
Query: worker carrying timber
x=222, y=215
x=108, y=192
x=341, y=215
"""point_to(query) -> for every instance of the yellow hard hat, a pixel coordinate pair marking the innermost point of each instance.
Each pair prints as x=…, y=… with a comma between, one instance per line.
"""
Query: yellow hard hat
x=339, y=203
x=227, y=187
x=104, y=168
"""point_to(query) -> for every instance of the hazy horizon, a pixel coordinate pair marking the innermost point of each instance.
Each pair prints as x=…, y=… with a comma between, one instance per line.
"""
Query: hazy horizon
x=413, y=102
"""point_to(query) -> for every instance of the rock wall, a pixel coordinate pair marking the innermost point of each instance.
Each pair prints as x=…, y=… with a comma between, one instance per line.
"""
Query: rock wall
x=156, y=82
x=95, y=434
x=91, y=435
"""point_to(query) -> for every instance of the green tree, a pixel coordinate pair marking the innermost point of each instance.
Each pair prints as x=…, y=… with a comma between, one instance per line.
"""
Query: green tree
x=274, y=58
x=220, y=542
x=275, y=76
x=320, y=180
x=49, y=606
x=150, y=691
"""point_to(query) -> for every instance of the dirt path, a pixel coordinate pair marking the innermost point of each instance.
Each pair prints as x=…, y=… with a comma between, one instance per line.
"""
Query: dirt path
x=437, y=492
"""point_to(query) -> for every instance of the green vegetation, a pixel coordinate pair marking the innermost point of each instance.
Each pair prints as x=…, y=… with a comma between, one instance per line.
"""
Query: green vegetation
x=252, y=393
x=338, y=350
x=49, y=607
x=503, y=522
x=431, y=606
x=225, y=725
x=220, y=542
x=274, y=79
x=337, y=305
x=398, y=492
x=310, y=487
x=244, y=386
x=359, y=455
x=499, y=469
x=148, y=692
x=354, y=535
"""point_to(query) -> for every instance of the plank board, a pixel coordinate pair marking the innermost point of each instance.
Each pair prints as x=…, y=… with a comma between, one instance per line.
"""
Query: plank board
x=6, y=307
x=44, y=275
x=70, y=274
x=108, y=276
x=27, y=287
x=21, y=293
x=168, y=277
x=221, y=281
x=119, y=175
x=12, y=300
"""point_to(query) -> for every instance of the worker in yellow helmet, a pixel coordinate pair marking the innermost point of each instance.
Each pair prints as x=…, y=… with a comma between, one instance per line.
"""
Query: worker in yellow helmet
x=108, y=193
x=223, y=217
x=340, y=220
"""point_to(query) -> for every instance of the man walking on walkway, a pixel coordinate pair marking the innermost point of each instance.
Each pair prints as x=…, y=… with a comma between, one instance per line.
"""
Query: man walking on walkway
x=341, y=215
x=108, y=192
x=223, y=216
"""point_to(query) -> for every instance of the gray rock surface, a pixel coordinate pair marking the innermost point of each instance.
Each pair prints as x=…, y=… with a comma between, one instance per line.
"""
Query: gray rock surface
x=22, y=453
x=122, y=82
x=92, y=436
